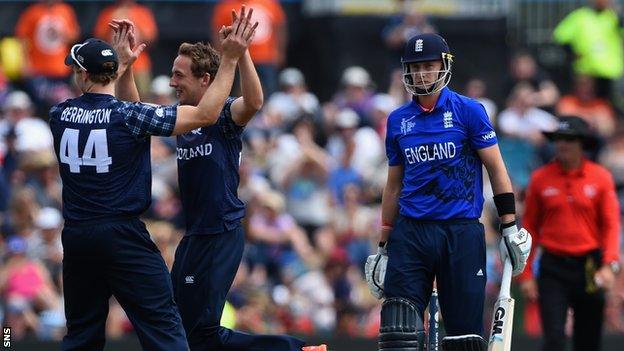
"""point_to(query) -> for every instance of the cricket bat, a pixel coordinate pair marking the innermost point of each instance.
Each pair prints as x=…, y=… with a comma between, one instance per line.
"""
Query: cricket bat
x=502, y=319
x=432, y=338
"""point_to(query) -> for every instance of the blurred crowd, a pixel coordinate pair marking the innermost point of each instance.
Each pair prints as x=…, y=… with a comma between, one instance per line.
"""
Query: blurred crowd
x=312, y=173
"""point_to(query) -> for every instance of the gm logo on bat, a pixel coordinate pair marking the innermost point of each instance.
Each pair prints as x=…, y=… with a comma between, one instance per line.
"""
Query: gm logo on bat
x=497, y=325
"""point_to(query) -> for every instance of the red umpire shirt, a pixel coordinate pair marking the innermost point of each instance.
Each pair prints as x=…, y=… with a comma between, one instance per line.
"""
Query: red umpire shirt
x=571, y=213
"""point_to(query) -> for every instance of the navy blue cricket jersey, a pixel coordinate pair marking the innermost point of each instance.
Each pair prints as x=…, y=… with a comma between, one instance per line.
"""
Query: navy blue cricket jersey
x=103, y=148
x=442, y=171
x=208, y=161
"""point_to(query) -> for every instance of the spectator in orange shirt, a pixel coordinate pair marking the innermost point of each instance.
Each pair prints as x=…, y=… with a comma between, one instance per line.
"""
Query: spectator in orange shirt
x=584, y=103
x=46, y=30
x=147, y=32
x=572, y=210
x=268, y=49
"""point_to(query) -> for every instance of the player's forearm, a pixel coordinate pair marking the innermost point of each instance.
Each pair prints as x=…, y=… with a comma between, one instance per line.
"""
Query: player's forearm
x=209, y=107
x=499, y=179
x=502, y=184
x=125, y=87
x=389, y=210
x=250, y=85
x=212, y=102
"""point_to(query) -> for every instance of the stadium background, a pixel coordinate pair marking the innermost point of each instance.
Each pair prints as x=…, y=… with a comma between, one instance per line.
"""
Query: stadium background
x=324, y=38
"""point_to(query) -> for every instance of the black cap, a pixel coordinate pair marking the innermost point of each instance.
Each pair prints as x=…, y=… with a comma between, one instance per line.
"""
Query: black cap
x=425, y=47
x=573, y=126
x=92, y=55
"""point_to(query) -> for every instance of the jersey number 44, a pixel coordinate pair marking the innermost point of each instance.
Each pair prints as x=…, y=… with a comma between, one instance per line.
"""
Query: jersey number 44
x=95, y=152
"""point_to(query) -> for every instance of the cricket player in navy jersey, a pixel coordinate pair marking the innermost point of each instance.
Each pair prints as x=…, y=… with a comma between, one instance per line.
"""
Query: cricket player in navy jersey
x=436, y=145
x=210, y=253
x=103, y=148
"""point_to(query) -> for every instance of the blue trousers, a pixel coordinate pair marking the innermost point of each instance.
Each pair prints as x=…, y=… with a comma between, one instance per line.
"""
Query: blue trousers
x=452, y=252
x=117, y=258
x=202, y=274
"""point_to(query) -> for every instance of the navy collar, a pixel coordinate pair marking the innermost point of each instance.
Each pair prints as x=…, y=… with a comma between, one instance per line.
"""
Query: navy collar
x=97, y=95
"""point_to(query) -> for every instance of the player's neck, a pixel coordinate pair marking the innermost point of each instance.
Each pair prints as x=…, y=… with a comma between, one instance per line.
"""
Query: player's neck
x=101, y=89
x=197, y=99
x=428, y=102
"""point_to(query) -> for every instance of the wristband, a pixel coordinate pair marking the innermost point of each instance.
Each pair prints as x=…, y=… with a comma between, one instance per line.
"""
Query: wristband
x=505, y=204
x=507, y=225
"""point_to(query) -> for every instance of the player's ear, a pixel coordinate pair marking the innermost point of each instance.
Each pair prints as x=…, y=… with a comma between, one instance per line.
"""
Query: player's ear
x=206, y=80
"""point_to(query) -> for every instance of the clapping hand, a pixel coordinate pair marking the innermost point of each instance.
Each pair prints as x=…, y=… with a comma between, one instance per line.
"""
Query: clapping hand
x=235, y=39
x=124, y=43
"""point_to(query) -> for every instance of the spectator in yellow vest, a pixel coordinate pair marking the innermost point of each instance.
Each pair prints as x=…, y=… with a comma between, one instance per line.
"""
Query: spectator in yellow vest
x=593, y=34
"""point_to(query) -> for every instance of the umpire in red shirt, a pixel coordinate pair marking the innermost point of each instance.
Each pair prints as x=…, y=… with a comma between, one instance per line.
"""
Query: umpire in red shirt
x=573, y=212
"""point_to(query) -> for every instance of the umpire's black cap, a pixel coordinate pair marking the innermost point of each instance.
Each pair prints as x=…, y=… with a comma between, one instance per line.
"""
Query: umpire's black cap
x=425, y=47
x=92, y=56
x=573, y=127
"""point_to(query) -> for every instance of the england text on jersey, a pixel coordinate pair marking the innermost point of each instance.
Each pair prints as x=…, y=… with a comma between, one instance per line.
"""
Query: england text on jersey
x=80, y=115
x=430, y=152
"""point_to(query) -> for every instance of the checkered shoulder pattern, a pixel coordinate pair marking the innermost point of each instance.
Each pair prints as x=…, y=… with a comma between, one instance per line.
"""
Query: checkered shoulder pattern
x=148, y=119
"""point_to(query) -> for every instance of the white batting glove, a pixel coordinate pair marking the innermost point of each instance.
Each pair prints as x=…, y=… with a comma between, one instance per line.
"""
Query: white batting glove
x=375, y=271
x=515, y=244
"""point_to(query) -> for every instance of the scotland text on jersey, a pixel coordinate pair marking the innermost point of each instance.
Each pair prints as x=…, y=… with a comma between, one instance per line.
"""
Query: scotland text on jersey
x=187, y=153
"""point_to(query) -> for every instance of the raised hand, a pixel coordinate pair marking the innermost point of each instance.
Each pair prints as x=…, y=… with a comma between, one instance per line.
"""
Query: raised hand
x=124, y=42
x=236, y=39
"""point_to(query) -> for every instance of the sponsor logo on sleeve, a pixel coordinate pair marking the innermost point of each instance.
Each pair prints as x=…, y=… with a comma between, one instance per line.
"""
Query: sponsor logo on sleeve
x=489, y=136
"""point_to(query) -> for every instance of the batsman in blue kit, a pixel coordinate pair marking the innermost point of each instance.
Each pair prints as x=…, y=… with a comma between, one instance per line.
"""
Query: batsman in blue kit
x=103, y=148
x=436, y=145
x=208, y=257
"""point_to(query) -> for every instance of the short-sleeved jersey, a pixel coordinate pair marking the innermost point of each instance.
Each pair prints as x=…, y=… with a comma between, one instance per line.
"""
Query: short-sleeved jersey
x=442, y=172
x=103, y=148
x=208, y=161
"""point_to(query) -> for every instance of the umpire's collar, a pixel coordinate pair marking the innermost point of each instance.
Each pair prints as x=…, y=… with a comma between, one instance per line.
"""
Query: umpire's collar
x=445, y=94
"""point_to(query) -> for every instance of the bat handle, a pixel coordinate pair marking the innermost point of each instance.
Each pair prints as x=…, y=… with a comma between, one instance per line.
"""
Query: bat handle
x=432, y=344
x=506, y=281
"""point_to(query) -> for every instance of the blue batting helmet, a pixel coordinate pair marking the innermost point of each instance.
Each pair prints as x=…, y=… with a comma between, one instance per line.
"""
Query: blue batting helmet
x=423, y=48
